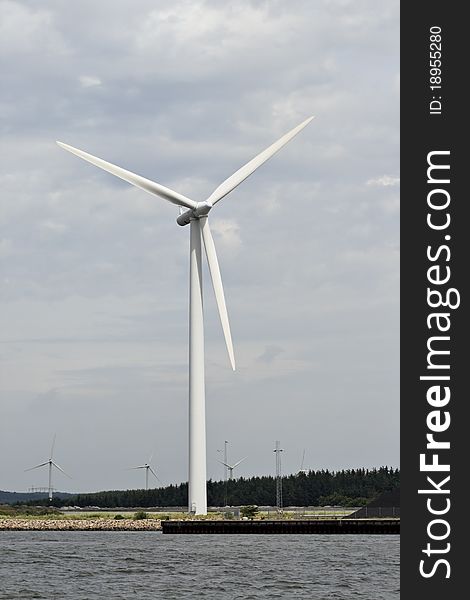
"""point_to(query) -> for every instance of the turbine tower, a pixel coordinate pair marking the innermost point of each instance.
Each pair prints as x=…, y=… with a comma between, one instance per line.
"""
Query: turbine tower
x=51, y=463
x=195, y=216
x=147, y=468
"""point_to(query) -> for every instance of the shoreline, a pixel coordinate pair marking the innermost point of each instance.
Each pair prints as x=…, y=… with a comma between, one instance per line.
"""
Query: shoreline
x=14, y=524
x=319, y=526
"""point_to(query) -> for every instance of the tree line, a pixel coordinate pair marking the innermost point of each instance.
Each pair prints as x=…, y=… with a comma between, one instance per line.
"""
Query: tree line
x=351, y=487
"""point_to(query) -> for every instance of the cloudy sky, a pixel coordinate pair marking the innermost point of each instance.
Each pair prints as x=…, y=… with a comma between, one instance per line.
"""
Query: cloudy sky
x=94, y=273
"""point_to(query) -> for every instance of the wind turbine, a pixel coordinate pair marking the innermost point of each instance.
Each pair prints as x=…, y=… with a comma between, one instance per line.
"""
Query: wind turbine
x=147, y=468
x=195, y=216
x=51, y=464
x=302, y=470
x=232, y=467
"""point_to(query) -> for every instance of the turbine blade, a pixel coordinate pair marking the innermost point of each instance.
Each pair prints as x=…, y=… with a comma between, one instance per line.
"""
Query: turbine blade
x=217, y=285
x=225, y=464
x=139, y=467
x=137, y=180
x=155, y=475
x=53, y=444
x=37, y=466
x=240, y=461
x=234, y=180
x=61, y=470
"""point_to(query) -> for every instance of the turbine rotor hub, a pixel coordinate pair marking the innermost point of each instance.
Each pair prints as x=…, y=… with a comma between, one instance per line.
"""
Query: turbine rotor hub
x=202, y=210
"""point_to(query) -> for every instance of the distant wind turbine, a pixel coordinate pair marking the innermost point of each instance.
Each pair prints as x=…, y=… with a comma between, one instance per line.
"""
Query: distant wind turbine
x=147, y=468
x=302, y=470
x=195, y=215
x=232, y=467
x=51, y=464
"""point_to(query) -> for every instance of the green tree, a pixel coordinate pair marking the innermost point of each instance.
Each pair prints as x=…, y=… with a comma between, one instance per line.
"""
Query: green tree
x=249, y=512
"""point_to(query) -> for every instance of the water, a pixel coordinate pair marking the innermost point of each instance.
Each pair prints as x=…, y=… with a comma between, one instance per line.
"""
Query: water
x=77, y=565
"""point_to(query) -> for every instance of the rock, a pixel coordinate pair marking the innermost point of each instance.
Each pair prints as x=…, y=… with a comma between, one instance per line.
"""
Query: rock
x=79, y=525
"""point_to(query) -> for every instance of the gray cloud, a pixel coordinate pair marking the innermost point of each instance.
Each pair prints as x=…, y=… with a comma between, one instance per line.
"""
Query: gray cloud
x=270, y=353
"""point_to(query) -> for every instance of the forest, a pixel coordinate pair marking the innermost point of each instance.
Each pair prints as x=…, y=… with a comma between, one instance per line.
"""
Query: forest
x=352, y=487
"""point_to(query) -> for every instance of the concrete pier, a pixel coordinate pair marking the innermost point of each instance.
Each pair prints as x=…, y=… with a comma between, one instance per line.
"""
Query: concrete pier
x=288, y=526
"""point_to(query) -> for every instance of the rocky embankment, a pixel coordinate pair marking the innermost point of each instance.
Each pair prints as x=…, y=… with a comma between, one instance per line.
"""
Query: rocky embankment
x=13, y=524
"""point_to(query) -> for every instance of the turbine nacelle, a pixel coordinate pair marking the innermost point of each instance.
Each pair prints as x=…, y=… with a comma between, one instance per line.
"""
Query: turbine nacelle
x=202, y=210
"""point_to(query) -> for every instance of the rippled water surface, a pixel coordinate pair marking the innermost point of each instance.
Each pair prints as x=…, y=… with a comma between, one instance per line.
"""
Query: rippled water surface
x=76, y=565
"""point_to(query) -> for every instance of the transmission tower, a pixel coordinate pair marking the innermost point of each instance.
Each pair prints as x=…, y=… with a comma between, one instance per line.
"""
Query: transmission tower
x=225, y=473
x=278, y=451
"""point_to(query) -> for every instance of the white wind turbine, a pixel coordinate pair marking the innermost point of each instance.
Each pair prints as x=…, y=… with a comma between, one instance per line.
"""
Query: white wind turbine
x=51, y=464
x=196, y=216
x=232, y=467
x=302, y=470
x=147, y=468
